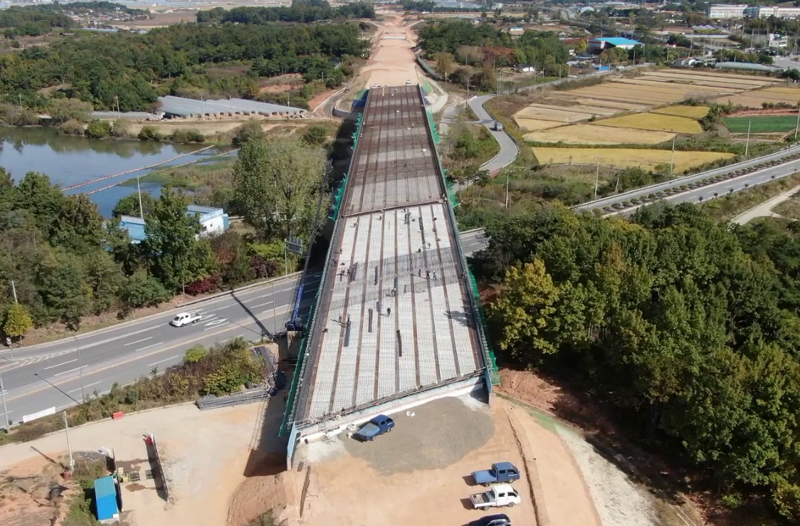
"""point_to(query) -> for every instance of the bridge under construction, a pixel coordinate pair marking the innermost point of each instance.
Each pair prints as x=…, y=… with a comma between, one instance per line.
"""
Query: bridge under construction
x=395, y=320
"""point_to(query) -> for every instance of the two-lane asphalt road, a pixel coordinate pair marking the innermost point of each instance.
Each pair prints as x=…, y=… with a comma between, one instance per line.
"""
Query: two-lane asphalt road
x=123, y=353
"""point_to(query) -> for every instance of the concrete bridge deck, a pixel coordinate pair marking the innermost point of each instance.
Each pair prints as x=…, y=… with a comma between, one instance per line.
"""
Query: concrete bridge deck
x=394, y=316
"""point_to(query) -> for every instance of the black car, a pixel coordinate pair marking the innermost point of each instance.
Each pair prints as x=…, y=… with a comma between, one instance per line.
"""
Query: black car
x=501, y=519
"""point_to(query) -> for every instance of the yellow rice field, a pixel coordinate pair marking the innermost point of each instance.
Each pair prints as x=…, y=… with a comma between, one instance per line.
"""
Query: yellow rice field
x=692, y=112
x=551, y=113
x=535, y=124
x=755, y=99
x=626, y=157
x=592, y=134
x=626, y=106
x=655, y=122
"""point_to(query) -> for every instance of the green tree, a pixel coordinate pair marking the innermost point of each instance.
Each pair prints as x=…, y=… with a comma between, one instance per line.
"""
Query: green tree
x=173, y=252
x=129, y=205
x=195, y=354
x=141, y=291
x=276, y=183
x=444, y=64
x=525, y=309
x=17, y=322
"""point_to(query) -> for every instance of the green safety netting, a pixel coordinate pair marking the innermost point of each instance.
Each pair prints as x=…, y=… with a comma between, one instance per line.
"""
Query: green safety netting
x=336, y=199
x=483, y=329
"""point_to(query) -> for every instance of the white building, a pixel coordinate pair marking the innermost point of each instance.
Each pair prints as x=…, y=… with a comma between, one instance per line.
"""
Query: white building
x=721, y=11
x=768, y=11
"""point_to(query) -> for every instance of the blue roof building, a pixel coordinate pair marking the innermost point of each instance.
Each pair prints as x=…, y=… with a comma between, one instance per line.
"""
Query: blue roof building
x=213, y=220
x=105, y=498
x=598, y=45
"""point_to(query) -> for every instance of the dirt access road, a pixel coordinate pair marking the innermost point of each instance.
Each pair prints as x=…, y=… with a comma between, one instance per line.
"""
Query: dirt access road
x=392, y=61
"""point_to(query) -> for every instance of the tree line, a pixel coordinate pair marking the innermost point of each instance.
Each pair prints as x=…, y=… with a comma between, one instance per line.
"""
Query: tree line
x=483, y=46
x=132, y=70
x=304, y=11
x=688, y=328
x=67, y=262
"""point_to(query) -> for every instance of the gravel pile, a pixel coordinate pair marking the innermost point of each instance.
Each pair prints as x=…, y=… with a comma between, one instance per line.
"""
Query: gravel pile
x=439, y=434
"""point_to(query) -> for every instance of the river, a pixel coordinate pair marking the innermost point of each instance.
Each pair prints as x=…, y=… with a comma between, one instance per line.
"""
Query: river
x=70, y=160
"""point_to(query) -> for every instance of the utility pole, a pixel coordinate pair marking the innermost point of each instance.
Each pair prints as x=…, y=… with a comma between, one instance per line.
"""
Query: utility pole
x=795, y=129
x=14, y=291
x=80, y=368
x=747, y=144
x=69, y=446
x=468, y=88
x=139, y=191
x=285, y=258
x=507, y=175
x=5, y=409
x=596, y=177
x=672, y=158
x=274, y=318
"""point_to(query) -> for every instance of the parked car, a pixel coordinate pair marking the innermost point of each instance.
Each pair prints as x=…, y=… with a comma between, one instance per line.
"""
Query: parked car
x=376, y=427
x=498, y=496
x=185, y=318
x=500, y=519
x=500, y=472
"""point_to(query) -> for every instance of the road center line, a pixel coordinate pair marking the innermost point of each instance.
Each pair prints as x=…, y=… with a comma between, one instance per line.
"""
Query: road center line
x=60, y=364
x=217, y=326
x=138, y=341
x=260, y=304
x=164, y=360
x=70, y=371
x=149, y=346
x=84, y=387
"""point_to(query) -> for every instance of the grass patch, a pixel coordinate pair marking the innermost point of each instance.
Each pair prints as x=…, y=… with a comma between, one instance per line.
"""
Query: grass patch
x=789, y=209
x=762, y=124
x=726, y=208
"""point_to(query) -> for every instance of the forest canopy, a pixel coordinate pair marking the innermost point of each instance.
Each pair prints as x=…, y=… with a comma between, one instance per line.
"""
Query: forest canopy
x=687, y=327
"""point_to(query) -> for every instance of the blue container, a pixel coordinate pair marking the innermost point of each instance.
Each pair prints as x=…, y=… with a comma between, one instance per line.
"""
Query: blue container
x=105, y=498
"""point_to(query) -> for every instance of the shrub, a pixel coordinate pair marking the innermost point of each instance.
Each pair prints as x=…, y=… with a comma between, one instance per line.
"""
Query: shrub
x=121, y=129
x=98, y=129
x=248, y=131
x=71, y=127
x=201, y=286
x=195, y=354
x=150, y=133
x=187, y=136
x=316, y=134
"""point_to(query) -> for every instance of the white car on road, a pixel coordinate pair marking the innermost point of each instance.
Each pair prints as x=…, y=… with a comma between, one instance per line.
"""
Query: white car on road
x=185, y=318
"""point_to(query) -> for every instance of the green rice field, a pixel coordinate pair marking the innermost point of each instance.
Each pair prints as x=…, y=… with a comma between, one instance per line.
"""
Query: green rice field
x=762, y=124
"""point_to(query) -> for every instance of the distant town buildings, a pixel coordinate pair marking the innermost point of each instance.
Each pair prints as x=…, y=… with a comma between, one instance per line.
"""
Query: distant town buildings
x=723, y=11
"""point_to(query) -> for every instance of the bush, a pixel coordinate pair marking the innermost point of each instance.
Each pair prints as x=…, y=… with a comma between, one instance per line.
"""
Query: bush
x=150, y=133
x=202, y=286
x=195, y=354
x=121, y=129
x=248, y=131
x=98, y=129
x=187, y=136
x=316, y=134
x=71, y=127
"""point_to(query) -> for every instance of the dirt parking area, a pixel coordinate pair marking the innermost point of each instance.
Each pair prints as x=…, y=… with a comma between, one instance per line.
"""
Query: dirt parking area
x=204, y=456
x=419, y=473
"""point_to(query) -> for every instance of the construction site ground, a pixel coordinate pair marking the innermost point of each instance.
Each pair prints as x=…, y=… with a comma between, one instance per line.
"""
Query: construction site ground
x=228, y=466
